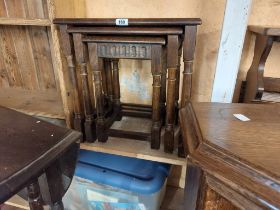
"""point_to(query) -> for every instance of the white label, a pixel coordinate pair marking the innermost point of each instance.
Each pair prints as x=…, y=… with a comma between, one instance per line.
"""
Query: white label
x=122, y=22
x=241, y=117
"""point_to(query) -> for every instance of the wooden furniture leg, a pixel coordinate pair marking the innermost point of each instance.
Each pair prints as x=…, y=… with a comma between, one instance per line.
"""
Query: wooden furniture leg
x=34, y=196
x=104, y=79
x=156, y=71
x=193, y=195
x=163, y=85
x=82, y=58
x=116, y=89
x=108, y=69
x=254, y=80
x=67, y=47
x=178, y=85
x=101, y=131
x=172, y=59
x=90, y=127
x=55, y=185
x=188, y=56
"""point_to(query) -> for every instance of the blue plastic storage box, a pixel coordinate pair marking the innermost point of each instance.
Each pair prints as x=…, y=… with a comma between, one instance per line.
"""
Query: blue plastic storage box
x=105, y=181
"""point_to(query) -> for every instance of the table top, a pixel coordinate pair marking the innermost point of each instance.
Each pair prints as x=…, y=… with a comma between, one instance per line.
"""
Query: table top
x=245, y=152
x=265, y=30
x=131, y=21
x=27, y=146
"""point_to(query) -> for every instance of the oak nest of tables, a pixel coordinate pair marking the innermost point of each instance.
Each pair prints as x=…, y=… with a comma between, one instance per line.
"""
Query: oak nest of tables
x=93, y=48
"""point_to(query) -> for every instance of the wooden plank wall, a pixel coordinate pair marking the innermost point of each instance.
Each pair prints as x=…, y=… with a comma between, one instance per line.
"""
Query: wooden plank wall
x=25, y=52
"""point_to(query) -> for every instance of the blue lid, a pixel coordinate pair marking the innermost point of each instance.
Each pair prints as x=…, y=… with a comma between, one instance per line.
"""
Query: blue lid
x=123, y=181
x=142, y=169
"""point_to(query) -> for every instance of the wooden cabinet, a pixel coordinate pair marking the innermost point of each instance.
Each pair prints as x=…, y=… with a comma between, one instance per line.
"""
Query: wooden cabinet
x=232, y=164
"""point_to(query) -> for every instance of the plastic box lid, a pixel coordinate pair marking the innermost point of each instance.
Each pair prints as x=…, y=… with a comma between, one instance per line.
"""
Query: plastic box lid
x=135, y=175
x=142, y=169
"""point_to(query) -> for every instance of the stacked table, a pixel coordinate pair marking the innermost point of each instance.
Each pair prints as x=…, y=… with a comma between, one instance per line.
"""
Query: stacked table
x=95, y=46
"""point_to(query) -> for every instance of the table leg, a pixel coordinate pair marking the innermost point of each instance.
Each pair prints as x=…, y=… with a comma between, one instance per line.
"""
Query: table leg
x=188, y=56
x=172, y=59
x=82, y=58
x=34, y=196
x=108, y=69
x=90, y=127
x=78, y=117
x=178, y=86
x=163, y=85
x=101, y=130
x=68, y=50
x=156, y=71
x=55, y=185
x=116, y=89
x=104, y=79
x=254, y=79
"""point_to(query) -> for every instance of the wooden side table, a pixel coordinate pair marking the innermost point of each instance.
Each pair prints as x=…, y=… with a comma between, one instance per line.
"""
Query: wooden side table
x=179, y=35
x=256, y=83
x=30, y=148
x=232, y=164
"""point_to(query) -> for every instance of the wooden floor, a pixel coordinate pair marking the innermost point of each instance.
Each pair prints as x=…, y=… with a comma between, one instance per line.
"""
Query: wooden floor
x=173, y=200
x=39, y=103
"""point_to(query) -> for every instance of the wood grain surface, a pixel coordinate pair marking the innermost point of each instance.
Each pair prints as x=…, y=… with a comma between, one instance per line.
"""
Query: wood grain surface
x=242, y=157
x=26, y=59
x=38, y=103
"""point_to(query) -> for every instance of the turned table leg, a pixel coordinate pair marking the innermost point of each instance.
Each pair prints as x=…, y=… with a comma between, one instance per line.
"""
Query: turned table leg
x=108, y=69
x=34, y=196
x=68, y=50
x=116, y=89
x=172, y=59
x=78, y=123
x=178, y=85
x=101, y=130
x=82, y=58
x=254, y=80
x=104, y=79
x=90, y=127
x=163, y=85
x=156, y=71
x=188, y=56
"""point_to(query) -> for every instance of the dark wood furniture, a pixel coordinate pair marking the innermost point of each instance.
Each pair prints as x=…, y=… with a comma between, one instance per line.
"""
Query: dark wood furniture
x=232, y=164
x=256, y=83
x=159, y=40
x=31, y=148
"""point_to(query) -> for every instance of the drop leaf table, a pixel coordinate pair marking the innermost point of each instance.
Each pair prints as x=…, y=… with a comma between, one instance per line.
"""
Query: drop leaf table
x=32, y=149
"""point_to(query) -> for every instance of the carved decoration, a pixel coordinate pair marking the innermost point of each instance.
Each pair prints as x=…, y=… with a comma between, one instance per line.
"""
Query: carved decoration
x=135, y=51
